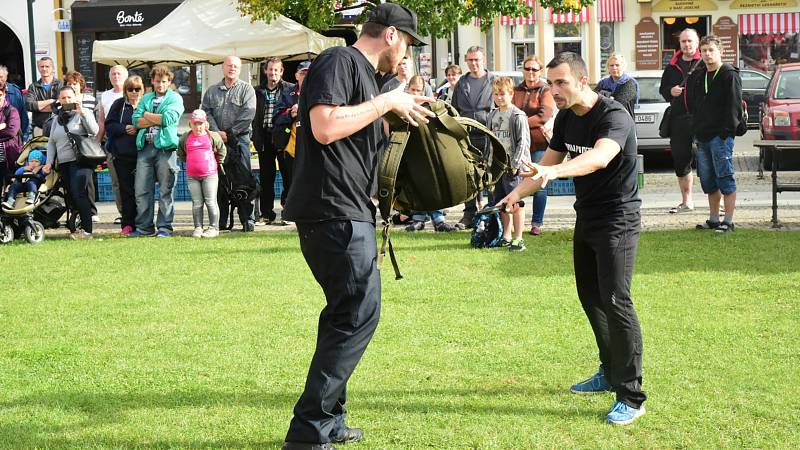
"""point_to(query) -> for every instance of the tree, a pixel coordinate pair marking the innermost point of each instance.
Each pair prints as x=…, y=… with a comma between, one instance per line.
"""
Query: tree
x=436, y=17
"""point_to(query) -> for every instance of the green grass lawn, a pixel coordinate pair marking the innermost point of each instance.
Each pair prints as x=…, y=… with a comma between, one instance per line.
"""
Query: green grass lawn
x=183, y=343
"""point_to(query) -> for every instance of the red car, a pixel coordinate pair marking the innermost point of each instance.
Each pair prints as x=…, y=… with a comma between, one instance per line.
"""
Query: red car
x=780, y=119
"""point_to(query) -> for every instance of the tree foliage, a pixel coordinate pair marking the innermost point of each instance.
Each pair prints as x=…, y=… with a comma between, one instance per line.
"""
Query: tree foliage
x=436, y=17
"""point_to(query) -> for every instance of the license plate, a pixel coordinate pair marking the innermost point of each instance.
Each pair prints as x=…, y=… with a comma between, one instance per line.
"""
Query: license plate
x=645, y=118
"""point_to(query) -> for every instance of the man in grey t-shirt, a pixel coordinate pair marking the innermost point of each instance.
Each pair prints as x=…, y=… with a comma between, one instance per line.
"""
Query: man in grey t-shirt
x=472, y=97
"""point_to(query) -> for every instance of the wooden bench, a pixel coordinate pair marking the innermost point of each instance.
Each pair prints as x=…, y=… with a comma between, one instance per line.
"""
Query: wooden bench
x=776, y=148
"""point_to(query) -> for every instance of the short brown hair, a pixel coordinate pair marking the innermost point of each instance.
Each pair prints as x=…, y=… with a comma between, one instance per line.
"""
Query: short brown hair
x=372, y=29
x=272, y=60
x=160, y=71
x=576, y=64
x=416, y=79
x=710, y=39
x=453, y=68
x=503, y=84
x=75, y=77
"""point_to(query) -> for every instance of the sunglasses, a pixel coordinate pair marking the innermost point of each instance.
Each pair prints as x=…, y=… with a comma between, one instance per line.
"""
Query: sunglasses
x=136, y=89
x=531, y=69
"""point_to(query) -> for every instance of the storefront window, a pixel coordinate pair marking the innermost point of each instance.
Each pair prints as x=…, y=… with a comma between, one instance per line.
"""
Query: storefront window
x=567, y=38
x=606, y=45
x=764, y=51
x=523, y=44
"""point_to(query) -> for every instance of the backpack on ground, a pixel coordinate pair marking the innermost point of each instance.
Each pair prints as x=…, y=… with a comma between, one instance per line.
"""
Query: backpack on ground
x=441, y=168
x=487, y=231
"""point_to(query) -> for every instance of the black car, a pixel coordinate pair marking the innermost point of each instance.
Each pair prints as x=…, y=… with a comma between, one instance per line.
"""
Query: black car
x=754, y=92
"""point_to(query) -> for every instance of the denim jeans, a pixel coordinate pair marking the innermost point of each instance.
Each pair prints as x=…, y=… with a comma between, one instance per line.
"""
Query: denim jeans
x=715, y=165
x=21, y=186
x=540, y=197
x=204, y=191
x=154, y=165
x=421, y=216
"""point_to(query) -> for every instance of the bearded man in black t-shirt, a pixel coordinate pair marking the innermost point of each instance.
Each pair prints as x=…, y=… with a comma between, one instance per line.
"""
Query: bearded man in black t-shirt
x=599, y=136
x=332, y=206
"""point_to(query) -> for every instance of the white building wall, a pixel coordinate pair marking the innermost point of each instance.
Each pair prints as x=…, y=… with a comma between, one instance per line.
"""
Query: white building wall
x=14, y=14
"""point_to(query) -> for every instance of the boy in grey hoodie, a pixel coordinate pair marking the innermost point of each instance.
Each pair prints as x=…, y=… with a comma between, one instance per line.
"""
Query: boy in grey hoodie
x=510, y=125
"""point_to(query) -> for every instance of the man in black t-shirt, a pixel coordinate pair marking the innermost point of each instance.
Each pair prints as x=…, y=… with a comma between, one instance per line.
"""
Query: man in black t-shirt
x=332, y=206
x=598, y=133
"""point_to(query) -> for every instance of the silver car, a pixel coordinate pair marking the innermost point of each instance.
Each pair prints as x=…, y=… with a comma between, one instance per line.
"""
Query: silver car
x=649, y=111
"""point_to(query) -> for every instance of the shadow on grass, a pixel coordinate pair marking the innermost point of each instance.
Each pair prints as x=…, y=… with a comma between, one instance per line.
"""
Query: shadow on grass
x=104, y=409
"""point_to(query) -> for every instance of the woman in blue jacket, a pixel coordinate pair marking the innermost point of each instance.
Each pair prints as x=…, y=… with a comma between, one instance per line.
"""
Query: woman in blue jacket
x=121, y=139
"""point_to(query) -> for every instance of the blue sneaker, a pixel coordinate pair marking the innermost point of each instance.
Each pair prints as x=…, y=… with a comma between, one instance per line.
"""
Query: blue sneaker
x=138, y=233
x=163, y=233
x=622, y=414
x=596, y=384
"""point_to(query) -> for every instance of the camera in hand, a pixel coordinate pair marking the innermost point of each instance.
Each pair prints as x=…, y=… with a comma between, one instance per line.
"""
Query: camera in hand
x=68, y=106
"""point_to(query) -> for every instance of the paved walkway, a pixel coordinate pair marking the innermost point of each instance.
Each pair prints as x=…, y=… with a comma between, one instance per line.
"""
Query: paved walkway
x=660, y=193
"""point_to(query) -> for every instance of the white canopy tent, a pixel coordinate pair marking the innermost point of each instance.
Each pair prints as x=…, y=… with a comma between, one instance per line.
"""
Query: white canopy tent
x=205, y=32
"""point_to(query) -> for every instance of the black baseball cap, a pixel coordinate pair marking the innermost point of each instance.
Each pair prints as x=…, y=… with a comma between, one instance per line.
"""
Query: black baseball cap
x=400, y=17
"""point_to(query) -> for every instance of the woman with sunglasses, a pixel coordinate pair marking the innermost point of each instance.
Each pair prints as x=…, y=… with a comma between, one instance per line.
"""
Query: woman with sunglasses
x=121, y=138
x=533, y=97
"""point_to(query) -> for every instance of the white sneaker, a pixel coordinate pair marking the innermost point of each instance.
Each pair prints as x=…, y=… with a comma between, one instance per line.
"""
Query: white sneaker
x=210, y=233
x=198, y=232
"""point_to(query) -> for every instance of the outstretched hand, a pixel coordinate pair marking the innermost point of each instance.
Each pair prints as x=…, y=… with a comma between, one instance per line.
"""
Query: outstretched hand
x=545, y=173
x=408, y=106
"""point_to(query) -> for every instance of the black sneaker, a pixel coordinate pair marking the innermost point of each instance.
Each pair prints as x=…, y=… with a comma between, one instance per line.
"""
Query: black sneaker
x=725, y=227
x=467, y=220
x=504, y=243
x=444, y=227
x=709, y=225
x=416, y=225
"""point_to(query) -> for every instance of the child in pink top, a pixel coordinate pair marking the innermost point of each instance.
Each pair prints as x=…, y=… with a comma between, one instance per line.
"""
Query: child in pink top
x=202, y=150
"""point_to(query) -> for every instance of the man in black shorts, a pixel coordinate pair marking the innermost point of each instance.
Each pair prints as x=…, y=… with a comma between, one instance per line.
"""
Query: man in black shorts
x=599, y=135
x=331, y=203
x=673, y=89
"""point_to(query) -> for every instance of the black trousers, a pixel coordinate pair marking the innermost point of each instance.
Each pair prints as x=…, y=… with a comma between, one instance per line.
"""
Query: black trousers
x=267, y=155
x=681, y=142
x=342, y=256
x=126, y=170
x=78, y=178
x=604, y=256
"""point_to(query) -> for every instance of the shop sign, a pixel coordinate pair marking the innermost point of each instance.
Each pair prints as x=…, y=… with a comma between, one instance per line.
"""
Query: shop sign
x=129, y=20
x=758, y=4
x=683, y=6
x=647, y=45
x=62, y=26
x=135, y=17
x=728, y=32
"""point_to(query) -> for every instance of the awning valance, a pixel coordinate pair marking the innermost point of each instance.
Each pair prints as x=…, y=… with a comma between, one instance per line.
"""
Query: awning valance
x=769, y=23
x=570, y=17
x=611, y=10
x=530, y=19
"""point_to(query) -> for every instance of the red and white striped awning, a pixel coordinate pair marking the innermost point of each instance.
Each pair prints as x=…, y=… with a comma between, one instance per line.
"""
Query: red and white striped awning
x=769, y=23
x=530, y=19
x=570, y=17
x=610, y=10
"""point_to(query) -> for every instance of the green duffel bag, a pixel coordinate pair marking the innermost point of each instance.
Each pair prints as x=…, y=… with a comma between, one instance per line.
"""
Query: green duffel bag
x=434, y=166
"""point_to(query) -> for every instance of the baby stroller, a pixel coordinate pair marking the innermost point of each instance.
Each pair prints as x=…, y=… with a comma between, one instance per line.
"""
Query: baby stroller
x=50, y=203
